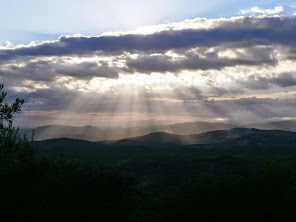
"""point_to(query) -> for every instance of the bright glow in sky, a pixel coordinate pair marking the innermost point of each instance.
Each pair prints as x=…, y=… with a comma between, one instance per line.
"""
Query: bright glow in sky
x=141, y=62
x=35, y=20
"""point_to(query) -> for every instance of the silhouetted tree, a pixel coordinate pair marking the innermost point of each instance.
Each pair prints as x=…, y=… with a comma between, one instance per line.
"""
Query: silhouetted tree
x=13, y=148
x=38, y=188
x=8, y=110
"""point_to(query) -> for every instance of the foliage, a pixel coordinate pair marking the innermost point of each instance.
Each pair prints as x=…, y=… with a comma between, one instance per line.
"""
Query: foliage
x=13, y=148
x=37, y=188
x=53, y=189
x=8, y=110
x=266, y=193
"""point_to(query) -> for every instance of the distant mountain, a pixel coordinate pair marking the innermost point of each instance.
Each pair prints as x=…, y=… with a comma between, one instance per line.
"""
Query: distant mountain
x=288, y=125
x=233, y=137
x=156, y=138
x=253, y=138
x=190, y=128
x=158, y=155
x=91, y=133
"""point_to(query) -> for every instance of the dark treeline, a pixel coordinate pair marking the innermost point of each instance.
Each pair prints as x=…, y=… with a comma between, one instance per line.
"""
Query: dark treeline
x=38, y=188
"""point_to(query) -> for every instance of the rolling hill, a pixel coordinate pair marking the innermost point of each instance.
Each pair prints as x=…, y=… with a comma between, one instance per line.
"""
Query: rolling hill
x=233, y=137
x=94, y=134
x=223, y=142
x=288, y=125
x=91, y=133
x=159, y=159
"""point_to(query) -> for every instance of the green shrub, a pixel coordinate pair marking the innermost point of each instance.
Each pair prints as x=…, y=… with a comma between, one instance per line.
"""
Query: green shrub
x=266, y=193
x=14, y=149
x=36, y=188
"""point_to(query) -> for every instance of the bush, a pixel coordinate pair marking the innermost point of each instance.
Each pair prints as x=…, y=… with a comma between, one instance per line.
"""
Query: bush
x=55, y=189
x=37, y=188
x=267, y=193
x=13, y=148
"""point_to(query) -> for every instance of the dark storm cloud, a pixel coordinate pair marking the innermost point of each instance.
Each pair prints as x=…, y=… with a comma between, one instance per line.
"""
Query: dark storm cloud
x=244, y=110
x=87, y=70
x=285, y=80
x=257, y=82
x=245, y=32
x=162, y=63
x=60, y=98
x=47, y=71
x=37, y=71
x=246, y=46
x=54, y=98
x=226, y=34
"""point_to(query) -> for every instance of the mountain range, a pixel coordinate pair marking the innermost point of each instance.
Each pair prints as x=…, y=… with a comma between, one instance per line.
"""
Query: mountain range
x=232, y=137
x=226, y=142
x=94, y=134
x=159, y=158
x=160, y=155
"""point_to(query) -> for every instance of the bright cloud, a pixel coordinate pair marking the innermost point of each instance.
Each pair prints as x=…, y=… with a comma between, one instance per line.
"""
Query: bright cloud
x=257, y=10
x=240, y=69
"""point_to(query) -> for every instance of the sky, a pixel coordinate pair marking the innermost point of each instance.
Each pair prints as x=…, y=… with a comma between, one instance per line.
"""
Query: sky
x=134, y=63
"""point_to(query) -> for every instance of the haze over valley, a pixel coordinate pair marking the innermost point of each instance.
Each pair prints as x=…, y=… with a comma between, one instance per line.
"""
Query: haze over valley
x=148, y=110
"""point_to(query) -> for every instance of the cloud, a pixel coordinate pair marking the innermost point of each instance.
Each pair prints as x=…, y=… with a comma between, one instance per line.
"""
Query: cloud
x=285, y=80
x=87, y=70
x=241, y=31
x=256, y=10
x=265, y=82
x=199, y=61
x=244, y=110
x=48, y=71
x=176, y=69
x=254, y=82
x=252, y=41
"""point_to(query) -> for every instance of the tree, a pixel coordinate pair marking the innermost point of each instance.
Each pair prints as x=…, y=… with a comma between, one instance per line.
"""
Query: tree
x=42, y=188
x=13, y=147
x=8, y=110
